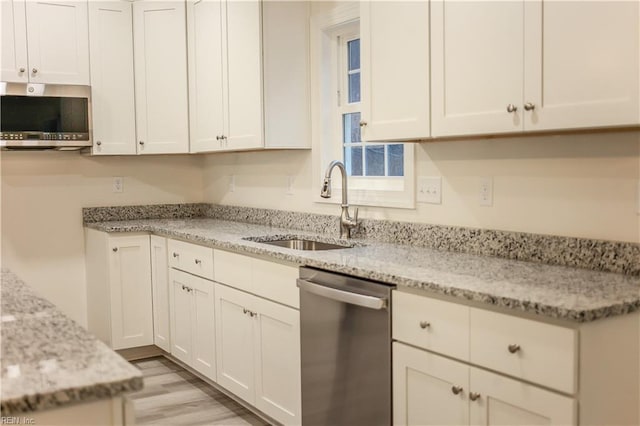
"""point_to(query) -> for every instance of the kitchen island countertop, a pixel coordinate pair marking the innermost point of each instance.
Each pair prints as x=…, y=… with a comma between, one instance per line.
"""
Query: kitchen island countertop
x=48, y=360
x=559, y=292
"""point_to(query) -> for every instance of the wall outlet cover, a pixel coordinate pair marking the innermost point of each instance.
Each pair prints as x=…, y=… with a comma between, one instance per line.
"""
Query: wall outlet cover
x=118, y=184
x=486, y=191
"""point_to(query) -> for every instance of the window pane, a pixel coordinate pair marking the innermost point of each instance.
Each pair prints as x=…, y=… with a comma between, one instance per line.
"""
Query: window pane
x=354, y=54
x=351, y=127
x=395, y=161
x=353, y=160
x=354, y=87
x=375, y=160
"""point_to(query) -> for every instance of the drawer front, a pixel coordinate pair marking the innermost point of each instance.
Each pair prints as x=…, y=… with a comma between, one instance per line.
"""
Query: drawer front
x=233, y=270
x=431, y=324
x=191, y=258
x=276, y=281
x=537, y=352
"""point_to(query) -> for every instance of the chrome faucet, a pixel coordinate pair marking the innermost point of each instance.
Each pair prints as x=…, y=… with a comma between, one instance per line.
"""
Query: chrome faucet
x=346, y=221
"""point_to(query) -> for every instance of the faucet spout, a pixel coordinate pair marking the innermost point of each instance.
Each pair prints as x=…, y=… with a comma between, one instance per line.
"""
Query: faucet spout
x=346, y=221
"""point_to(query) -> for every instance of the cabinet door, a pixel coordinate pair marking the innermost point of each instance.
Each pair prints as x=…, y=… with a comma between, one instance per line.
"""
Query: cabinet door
x=112, y=89
x=277, y=361
x=395, y=70
x=244, y=77
x=581, y=64
x=160, y=286
x=205, y=27
x=234, y=341
x=428, y=389
x=130, y=286
x=504, y=401
x=14, y=42
x=180, y=315
x=58, y=39
x=477, y=66
x=160, y=59
x=202, y=326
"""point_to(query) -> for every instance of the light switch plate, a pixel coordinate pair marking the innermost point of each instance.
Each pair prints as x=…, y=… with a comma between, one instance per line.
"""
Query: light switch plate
x=486, y=191
x=118, y=184
x=429, y=189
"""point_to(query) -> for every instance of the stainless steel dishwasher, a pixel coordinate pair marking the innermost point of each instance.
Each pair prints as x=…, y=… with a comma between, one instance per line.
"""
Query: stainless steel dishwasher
x=345, y=334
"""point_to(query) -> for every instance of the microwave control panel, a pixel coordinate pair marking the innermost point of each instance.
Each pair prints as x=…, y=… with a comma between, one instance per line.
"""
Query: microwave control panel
x=47, y=136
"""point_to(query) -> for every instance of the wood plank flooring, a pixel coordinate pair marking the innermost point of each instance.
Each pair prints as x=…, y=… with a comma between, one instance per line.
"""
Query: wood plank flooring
x=172, y=396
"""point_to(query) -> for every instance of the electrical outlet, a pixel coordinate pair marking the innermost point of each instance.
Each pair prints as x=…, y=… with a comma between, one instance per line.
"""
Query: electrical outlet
x=232, y=183
x=486, y=191
x=429, y=189
x=289, y=185
x=118, y=184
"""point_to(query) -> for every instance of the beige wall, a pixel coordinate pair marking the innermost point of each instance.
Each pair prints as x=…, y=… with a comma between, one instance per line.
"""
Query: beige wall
x=42, y=197
x=573, y=185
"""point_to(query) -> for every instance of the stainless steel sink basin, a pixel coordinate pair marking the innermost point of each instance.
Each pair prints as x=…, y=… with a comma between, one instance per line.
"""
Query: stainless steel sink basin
x=299, y=243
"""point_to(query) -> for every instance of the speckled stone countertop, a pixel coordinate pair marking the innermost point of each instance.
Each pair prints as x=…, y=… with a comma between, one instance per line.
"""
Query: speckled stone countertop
x=48, y=360
x=559, y=292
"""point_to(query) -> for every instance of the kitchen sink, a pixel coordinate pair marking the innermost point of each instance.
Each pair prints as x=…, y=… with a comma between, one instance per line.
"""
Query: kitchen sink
x=299, y=243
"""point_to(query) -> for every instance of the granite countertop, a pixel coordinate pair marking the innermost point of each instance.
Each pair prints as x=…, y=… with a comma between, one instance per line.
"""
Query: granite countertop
x=559, y=292
x=48, y=360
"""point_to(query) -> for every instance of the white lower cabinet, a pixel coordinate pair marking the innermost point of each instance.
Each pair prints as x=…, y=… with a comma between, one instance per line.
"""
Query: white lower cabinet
x=192, y=322
x=119, y=288
x=432, y=390
x=160, y=287
x=258, y=352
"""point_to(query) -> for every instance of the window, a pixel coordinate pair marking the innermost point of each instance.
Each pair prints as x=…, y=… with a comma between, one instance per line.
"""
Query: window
x=380, y=174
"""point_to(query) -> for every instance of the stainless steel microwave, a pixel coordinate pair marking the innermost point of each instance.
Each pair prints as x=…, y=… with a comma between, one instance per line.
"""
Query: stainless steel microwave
x=44, y=122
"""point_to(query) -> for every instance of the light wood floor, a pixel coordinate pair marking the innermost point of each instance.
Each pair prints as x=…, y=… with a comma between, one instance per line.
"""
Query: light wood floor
x=172, y=396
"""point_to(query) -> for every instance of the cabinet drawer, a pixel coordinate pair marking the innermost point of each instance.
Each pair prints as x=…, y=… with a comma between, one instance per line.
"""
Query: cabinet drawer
x=276, y=281
x=530, y=350
x=233, y=270
x=192, y=258
x=431, y=324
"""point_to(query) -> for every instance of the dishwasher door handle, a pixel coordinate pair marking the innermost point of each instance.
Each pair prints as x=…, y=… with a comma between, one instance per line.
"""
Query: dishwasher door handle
x=358, y=299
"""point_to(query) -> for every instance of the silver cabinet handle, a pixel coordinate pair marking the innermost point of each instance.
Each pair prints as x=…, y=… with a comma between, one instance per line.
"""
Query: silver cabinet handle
x=425, y=324
x=198, y=261
x=115, y=249
x=363, y=123
x=529, y=106
x=184, y=287
x=21, y=70
x=34, y=71
x=358, y=299
x=456, y=389
x=218, y=138
x=175, y=254
x=141, y=142
x=511, y=108
x=513, y=348
x=98, y=143
x=474, y=396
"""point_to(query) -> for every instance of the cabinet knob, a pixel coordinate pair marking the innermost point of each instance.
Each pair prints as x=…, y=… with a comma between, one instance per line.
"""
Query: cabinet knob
x=115, y=249
x=141, y=142
x=217, y=138
x=363, y=123
x=98, y=143
x=511, y=108
x=456, y=389
x=474, y=396
x=529, y=106
x=198, y=261
x=184, y=287
x=175, y=254
x=34, y=71
x=513, y=348
x=21, y=70
x=245, y=311
x=425, y=324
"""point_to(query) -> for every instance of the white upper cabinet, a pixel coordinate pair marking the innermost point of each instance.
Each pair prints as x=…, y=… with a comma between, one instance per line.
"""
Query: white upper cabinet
x=582, y=64
x=112, y=85
x=57, y=36
x=160, y=58
x=395, y=70
x=501, y=67
x=248, y=60
x=14, y=42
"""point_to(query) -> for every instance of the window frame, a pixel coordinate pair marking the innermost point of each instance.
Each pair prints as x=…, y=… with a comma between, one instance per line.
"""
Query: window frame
x=329, y=62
